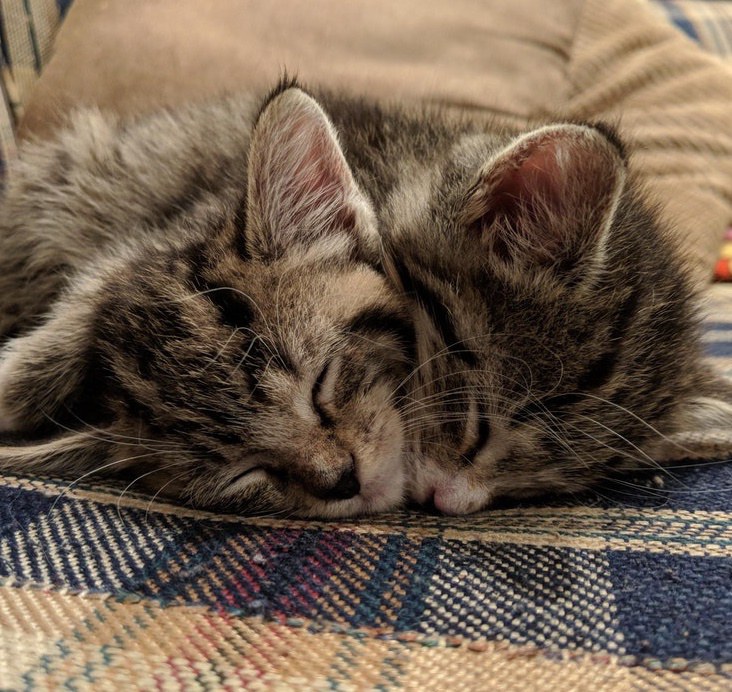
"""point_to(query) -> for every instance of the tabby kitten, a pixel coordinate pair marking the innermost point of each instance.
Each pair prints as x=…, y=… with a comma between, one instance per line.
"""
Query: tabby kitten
x=557, y=323
x=195, y=300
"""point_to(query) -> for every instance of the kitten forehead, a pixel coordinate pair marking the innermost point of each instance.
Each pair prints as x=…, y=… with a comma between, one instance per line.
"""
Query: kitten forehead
x=472, y=150
x=349, y=293
x=317, y=290
x=409, y=203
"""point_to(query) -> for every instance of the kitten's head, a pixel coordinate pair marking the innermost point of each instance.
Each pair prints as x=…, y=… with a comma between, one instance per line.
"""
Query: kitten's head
x=558, y=339
x=250, y=364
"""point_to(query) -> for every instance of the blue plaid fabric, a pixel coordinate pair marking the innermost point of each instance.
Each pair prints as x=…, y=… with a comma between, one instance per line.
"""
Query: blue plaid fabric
x=708, y=22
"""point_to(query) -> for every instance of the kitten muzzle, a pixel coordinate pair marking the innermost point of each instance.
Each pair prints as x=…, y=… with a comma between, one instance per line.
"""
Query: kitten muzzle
x=345, y=487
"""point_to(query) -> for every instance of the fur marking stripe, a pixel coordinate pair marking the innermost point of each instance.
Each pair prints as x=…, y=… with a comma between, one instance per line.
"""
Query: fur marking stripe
x=382, y=321
x=438, y=313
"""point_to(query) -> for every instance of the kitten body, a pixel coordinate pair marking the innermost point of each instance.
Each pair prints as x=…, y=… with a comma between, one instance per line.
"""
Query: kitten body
x=208, y=293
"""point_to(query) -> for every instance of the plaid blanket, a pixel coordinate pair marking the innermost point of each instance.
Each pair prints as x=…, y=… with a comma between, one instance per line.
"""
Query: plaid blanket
x=629, y=586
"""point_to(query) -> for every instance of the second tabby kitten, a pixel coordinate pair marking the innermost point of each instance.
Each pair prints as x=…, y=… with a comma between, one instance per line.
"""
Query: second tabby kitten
x=557, y=323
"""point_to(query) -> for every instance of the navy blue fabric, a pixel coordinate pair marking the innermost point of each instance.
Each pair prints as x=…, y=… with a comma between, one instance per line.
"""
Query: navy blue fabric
x=674, y=606
x=679, y=19
x=63, y=6
x=688, y=485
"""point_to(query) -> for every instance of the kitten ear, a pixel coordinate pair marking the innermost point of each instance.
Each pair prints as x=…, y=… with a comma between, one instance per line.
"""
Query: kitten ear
x=301, y=190
x=549, y=198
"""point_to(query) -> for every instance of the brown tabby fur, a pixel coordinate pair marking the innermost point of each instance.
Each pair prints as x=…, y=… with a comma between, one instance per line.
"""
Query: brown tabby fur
x=204, y=310
x=199, y=300
x=557, y=322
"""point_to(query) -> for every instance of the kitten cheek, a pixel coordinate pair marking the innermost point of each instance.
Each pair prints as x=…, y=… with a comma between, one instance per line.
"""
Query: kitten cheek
x=384, y=489
x=8, y=422
x=8, y=366
x=247, y=479
x=381, y=467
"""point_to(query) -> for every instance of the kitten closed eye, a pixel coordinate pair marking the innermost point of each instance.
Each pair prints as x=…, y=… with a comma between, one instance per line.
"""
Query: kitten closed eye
x=322, y=393
x=245, y=474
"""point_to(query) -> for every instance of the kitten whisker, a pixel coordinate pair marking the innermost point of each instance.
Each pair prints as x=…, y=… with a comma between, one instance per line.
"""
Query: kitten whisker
x=636, y=417
x=161, y=488
x=157, y=469
x=97, y=469
x=222, y=349
x=667, y=492
x=248, y=351
x=110, y=435
x=651, y=461
x=196, y=294
x=474, y=389
x=445, y=351
x=601, y=443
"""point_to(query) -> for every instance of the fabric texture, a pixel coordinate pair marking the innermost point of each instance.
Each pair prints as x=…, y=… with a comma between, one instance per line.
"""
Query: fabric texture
x=708, y=22
x=626, y=588
x=27, y=30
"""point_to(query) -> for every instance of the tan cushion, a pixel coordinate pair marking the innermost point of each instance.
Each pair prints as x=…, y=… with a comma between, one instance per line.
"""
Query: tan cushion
x=135, y=55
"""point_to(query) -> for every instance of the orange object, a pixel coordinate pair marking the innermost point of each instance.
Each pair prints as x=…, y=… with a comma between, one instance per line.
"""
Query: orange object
x=722, y=270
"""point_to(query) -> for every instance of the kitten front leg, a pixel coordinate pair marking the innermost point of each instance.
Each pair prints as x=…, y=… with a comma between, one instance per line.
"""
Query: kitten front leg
x=29, y=282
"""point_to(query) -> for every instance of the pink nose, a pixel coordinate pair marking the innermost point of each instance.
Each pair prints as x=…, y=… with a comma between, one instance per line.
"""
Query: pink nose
x=441, y=501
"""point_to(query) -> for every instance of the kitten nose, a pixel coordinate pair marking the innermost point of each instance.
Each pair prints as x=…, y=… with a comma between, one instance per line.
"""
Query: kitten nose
x=346, y=487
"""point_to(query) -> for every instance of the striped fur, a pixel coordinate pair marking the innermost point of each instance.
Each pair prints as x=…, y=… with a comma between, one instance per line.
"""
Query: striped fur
x=206, y=312
x=555, y=350
x=210, y=313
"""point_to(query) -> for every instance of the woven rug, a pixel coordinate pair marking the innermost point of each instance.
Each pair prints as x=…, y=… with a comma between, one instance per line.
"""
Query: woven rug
x=626, y=588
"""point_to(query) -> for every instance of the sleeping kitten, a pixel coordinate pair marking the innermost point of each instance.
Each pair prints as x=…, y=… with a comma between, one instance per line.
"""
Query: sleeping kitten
x=227, y=330
x=557, y=324
x=195, y=300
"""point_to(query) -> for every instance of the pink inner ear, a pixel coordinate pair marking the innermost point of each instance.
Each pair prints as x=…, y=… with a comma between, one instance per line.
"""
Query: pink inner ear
x=318, y=166
x=321, y=179
x=550, y=195
x=526, y=197
x=537, y=179
x=303, y=181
